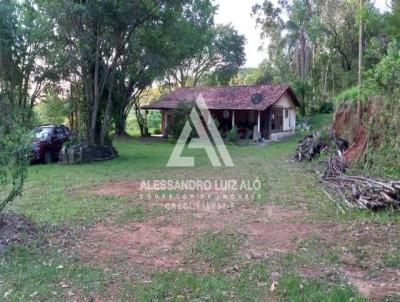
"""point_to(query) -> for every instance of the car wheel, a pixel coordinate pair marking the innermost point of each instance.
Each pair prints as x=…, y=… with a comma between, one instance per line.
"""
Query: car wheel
x=47, y=157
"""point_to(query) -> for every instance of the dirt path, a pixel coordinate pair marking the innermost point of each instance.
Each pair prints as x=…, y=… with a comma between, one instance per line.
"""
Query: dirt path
x=164, y=242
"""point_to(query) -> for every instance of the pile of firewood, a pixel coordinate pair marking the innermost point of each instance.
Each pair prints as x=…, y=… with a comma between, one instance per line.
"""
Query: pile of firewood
x=309, y=148
x=351, y=191
x=335, y=165
x=362, y=192
x=357, y=191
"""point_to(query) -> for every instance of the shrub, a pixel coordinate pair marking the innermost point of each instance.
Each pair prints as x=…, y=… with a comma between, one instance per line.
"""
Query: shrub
x=178, y=117
x=350, y=94
x=52, y=109
x=154, y=119
x=14, y=146
x=232, y=135
x=326, y=107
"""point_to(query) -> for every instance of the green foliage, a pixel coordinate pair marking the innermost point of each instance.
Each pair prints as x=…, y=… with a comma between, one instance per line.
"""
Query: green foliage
x=350, y=94
x=52, y=109
x=263, y=74
x=226, y=56
x=320, y=121
x=316, y=54
x=26, y=54
x=326, y=107
x=233, y=135
x=393, y=21
x=154, y=119
x=207, y=53
x=14, y=148
x=383, y=157
x=178, y=117
x=384, y=78
x=302, y=90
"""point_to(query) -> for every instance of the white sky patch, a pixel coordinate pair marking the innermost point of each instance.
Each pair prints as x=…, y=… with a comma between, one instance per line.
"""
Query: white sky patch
x=237, y=12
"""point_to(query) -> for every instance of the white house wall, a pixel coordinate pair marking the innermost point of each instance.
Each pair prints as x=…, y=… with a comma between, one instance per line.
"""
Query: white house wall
x=289, y=122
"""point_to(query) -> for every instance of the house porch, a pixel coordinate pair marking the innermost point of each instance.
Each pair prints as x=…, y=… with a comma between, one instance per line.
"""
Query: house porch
x=273, y=123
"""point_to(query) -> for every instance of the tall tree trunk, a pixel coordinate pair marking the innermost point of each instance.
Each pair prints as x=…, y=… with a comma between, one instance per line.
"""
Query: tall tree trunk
x=120, y=125
x=104, y=127
x=360, y=56
x=96, y=90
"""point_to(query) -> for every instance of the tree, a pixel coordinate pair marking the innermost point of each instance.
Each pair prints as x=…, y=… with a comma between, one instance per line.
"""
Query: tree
x=13, y=152
x=360, y=67
x=25, y=53
x=228, y=55
x=313, y=44
x=393, y=21
x=217, y=61
x=149, y=56
x=95, y=36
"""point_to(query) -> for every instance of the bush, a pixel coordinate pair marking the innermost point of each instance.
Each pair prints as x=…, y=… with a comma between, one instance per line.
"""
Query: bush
x=326, y=107
x=382, y=157
x=350, y=94
x=178, y=117
x=154, y=119
x=232, y=135
x=14, y=147
x=52, y=109
x=132, y=126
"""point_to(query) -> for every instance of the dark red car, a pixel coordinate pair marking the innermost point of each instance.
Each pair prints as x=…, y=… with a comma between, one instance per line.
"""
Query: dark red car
x=48, y=142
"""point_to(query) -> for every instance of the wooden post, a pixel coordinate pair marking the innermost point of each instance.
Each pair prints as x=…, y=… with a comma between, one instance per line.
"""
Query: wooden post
x=146, y=129
x=259, y=122
x=162, y=120
x=209, y=117
x=164, y=131
x=233, y=119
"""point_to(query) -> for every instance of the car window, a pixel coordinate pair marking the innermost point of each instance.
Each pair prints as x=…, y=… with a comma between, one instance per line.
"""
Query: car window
x=42, y=133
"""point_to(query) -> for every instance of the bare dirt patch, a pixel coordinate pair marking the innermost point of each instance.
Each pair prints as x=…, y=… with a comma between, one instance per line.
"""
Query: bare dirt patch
x=362, y=264
x=360, y=248
x=376, y=285
x=119, y=189
x=279, y=237
x=163, y=241
x=15, y=228
x=148, y=244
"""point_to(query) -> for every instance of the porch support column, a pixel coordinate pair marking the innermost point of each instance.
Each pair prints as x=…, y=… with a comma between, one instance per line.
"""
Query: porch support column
x=233, y=119
x=146, y=129
x=165, y=120
x=164, y=123
x=259, y=122
x=209, y=117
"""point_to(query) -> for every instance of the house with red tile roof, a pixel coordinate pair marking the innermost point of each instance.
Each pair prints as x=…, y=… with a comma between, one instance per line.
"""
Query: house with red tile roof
x=267, y=110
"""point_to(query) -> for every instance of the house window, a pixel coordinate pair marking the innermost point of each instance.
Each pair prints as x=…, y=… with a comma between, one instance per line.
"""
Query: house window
x=286, y=113
x=276, y=119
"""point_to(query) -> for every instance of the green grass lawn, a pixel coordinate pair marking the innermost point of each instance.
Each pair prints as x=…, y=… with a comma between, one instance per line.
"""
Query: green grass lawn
x=54, y=197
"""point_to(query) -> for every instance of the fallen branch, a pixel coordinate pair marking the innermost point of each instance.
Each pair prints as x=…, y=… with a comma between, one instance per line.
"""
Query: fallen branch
x=363, y=192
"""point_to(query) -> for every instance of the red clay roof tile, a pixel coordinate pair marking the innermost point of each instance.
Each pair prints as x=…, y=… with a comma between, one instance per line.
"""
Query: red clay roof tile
x=227, y=97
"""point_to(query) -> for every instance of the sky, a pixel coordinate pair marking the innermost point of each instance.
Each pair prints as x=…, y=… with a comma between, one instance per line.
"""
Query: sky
x=237, y=12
